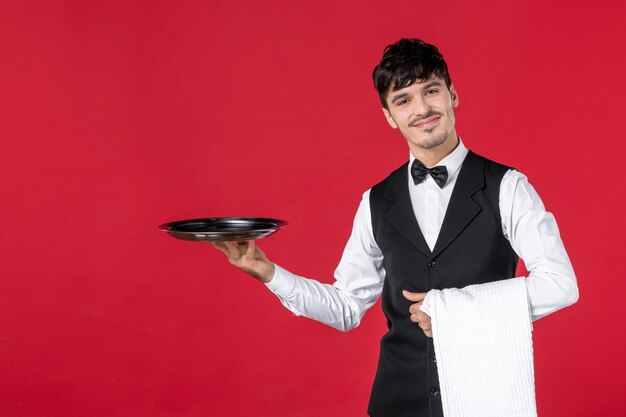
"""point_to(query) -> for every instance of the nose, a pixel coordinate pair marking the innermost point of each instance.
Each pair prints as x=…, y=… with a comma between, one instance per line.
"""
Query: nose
x=420, y=107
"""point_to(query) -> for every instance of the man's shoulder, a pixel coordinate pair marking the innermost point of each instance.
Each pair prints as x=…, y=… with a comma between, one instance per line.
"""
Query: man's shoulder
x=397, y=175
x=491, y=166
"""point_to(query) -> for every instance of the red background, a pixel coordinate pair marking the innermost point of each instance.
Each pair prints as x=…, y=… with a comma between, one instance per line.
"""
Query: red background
x=118, y=116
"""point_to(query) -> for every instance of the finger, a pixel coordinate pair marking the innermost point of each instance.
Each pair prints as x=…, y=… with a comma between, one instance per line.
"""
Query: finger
x=251, y=249
x=242, y=247
x=415, y=308
x=418, y=317
x=233, y=252
x=214, y=244
x=220, y=246
x=259, y=252
x=413, y=296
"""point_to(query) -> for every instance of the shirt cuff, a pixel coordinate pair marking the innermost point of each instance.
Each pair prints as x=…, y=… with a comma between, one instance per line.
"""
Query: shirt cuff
x=283, y=282
x=426, y=306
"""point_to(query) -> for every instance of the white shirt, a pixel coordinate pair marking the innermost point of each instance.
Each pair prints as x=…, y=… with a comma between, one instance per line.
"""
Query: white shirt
x=531, y=230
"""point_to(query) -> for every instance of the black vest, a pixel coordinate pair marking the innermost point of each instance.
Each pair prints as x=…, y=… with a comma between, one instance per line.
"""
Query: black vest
x=470, y=249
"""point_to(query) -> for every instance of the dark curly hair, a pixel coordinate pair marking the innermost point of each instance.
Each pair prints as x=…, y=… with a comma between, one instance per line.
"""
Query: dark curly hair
x=405, y=62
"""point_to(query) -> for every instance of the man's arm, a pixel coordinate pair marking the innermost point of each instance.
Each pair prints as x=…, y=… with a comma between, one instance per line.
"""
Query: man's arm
x=359, y=277
x=534, y=236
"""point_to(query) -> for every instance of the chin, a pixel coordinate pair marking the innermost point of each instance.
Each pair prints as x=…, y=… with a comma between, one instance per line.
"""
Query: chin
x=433, y=142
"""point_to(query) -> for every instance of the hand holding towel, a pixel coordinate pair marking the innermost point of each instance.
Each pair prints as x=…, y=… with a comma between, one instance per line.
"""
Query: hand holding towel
x=483, y=343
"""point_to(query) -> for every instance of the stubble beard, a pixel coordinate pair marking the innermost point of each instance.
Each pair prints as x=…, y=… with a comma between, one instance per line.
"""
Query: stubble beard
x=434, y=141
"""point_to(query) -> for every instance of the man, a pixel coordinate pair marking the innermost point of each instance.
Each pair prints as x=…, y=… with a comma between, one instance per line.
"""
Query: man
x=462, y=222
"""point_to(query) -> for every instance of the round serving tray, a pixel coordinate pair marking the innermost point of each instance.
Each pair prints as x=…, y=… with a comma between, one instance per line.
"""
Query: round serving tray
x=223, y=228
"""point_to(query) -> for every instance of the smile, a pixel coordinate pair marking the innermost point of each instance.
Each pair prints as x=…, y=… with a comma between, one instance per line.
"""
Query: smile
x=431, y=121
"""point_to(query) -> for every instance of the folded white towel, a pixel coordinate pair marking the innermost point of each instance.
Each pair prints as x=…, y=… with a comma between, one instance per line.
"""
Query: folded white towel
x=483, y=343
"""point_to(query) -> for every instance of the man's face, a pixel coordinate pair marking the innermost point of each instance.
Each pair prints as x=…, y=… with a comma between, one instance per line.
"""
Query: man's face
x=424, y=112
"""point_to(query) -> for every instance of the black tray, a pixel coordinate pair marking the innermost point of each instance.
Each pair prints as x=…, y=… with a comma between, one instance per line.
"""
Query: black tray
x=223, y=228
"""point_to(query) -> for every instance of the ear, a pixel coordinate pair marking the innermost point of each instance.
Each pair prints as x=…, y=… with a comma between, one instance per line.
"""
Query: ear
x=389, y=118
x=454, y=95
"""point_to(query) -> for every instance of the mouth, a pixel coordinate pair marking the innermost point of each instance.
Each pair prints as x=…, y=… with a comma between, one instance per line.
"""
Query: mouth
x=430, y=122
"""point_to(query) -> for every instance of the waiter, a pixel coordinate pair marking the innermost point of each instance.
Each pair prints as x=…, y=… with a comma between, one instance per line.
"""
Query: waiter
x=448, y=218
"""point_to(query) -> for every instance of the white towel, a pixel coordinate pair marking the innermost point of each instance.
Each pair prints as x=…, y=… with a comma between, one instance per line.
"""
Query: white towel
x=483, y=343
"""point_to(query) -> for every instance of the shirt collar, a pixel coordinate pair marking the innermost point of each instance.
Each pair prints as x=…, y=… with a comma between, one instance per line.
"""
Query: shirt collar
x=452, y=161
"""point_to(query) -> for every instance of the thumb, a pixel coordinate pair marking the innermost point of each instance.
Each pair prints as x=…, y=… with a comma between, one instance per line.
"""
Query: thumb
x=254, y=252
x=414, y=296
x=250, y=249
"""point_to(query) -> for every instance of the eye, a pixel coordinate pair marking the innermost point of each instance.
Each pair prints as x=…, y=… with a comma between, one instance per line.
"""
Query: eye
x=432, y=91
x=401, y=101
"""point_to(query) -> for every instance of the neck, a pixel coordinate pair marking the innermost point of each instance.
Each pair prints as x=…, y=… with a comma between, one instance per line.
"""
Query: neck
x=430, y=157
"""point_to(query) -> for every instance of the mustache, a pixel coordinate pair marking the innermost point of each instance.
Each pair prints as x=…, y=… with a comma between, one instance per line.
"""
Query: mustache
x=428, y=115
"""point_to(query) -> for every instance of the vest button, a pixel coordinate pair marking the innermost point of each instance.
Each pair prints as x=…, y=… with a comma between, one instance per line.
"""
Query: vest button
x=432, y=264
x=433, y=359
x=434, y=392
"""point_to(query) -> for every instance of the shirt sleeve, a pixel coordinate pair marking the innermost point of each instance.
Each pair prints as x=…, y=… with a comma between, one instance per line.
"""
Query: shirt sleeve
x=534, y=236
x=358, y=283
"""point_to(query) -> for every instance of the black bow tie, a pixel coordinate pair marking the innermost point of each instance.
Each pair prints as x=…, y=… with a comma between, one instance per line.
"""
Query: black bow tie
x=419, y=171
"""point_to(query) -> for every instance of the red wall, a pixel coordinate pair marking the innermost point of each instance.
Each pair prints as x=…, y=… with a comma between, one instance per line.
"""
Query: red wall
x=117, y=116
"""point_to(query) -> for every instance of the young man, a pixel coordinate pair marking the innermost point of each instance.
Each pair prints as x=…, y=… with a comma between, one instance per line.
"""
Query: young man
x=448, y=218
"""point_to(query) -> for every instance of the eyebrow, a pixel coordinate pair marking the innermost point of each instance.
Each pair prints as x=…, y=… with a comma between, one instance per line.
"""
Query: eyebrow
x=426, y=87
x=398, y=97
x=432, y=84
